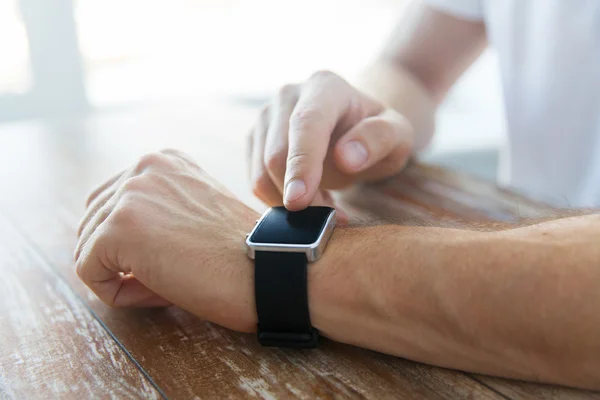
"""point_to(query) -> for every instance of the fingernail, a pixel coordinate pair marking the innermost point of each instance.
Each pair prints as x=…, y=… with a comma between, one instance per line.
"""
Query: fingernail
x=294, y=189
x=355, y=154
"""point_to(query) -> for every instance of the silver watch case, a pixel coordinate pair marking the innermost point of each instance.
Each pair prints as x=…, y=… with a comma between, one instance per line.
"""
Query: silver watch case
x=313, y=251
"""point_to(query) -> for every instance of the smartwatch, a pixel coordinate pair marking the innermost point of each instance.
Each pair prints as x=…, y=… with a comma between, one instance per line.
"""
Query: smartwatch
x=282, y=244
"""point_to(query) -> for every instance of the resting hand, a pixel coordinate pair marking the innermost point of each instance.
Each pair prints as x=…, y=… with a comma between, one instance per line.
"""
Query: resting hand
x=164, y=232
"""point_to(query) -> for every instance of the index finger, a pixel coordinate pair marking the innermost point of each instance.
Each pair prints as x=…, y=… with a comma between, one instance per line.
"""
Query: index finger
x=323, y=101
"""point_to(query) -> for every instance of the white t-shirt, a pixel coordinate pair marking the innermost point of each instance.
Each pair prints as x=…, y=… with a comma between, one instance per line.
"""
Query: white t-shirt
x=549, y=53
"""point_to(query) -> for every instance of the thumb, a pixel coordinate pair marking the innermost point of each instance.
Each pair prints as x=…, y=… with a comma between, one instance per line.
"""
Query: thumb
x=376, y=147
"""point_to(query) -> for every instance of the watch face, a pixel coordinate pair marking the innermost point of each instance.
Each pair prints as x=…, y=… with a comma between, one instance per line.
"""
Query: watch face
x=281, y=226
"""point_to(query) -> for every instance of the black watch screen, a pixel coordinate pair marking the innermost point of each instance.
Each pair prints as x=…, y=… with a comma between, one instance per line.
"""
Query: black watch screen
x=285, y=227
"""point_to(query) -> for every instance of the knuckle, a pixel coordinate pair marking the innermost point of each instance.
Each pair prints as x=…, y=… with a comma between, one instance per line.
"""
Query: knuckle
x=264, y=114
x=157, y=159
x=95, y=245
x=261, y=185
x=287, y=92
x=91, y=197
x=171, y=151
x=179, y=158
x=297, y=161
x=260, y=126
x=306, y=117
x=135, y=184
x=323, y=75
x=104, y=213
x=383, y=132
x=275, y=161
x=127, y=214
x=177, y=154
x=400, y=125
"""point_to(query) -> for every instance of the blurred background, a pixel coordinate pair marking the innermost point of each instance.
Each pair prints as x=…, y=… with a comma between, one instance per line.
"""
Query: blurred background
x=60, y=58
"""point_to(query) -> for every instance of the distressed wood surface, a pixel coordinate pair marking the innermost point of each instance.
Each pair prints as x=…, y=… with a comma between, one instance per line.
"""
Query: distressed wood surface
x=51, y=344
x=45, y=172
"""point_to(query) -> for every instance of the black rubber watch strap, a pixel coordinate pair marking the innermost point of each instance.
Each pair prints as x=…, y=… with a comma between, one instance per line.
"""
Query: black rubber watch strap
x=282, y=300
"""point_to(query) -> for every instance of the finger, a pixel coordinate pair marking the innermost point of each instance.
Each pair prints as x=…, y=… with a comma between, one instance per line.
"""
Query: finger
x=110, y=284
x=98, y=202
x=95, y=221
x=133, y=293
x=249, y=145
x=276, y=144
x=262, y=185
x=166, y=159
x=324, y=100
x=88, y=230
x=376, y=145
x=101, y=188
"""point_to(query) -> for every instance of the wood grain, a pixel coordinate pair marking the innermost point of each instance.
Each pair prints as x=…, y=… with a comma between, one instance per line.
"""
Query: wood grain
x=52, y=346
x=45, y=173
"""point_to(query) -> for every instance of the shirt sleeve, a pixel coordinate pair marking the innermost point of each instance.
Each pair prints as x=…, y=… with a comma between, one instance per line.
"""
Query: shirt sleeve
x=467, y=9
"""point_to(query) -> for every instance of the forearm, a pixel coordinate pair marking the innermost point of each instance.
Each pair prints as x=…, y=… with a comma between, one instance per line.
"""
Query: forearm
x=519, y=303
x=395, y=86
x=422, y=59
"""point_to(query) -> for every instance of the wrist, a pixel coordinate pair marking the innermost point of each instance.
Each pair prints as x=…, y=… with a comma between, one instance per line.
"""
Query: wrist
x=327, y=280
x=238, y=309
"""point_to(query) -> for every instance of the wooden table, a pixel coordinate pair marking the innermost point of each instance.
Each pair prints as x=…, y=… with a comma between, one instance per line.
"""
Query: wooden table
x=58, y=340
